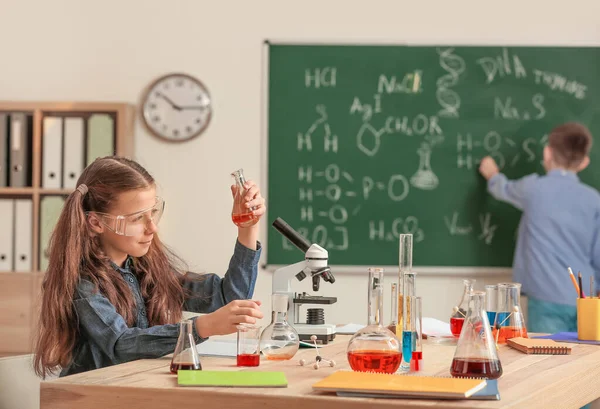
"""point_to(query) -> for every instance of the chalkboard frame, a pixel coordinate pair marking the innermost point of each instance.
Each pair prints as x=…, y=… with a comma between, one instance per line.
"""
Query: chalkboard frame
x=267, y=229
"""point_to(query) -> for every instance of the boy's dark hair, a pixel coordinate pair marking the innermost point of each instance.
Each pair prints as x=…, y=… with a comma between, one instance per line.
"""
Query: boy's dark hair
x=570, y=143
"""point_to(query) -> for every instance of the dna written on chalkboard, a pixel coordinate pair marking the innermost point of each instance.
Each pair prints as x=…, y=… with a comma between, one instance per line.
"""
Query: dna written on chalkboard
x=368, y=142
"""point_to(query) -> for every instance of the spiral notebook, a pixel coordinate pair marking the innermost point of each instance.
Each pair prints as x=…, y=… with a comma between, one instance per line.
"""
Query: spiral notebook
x=399, y=385
x=538, y=346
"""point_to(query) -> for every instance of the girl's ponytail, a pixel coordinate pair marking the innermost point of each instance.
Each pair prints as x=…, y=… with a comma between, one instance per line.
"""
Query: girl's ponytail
x=69, y=241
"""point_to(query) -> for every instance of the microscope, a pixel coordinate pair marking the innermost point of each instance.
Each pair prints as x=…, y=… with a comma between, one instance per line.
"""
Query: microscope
x=315, y=264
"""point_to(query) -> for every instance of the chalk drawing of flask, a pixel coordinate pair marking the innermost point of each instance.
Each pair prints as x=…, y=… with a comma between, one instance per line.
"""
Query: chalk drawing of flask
x=424, y=178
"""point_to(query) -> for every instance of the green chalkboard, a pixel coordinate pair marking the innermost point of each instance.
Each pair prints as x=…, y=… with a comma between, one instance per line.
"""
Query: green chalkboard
x=367, y=142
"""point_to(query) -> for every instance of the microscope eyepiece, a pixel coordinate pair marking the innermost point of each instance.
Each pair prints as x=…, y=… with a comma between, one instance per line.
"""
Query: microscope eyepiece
x=292, y=235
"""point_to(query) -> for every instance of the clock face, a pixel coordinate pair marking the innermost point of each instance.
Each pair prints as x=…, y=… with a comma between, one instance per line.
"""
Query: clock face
x=176, y=107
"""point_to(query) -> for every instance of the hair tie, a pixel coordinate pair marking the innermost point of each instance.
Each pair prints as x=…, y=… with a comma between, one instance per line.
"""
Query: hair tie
x=83, y=189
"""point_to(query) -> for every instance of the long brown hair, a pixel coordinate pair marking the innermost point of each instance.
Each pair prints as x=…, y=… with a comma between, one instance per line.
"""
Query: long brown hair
x=75, y=253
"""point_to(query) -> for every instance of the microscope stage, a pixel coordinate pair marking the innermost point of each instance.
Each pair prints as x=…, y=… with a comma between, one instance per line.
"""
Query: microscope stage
x=324, y=332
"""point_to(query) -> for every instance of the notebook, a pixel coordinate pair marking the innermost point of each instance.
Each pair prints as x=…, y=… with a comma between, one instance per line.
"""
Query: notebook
x=399, y=385
x=567, y=337
x=538, y=346
x=490, y=392
x=252, y=379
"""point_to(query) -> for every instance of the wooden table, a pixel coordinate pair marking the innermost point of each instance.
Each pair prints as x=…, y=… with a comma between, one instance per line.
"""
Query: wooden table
x=529, y=381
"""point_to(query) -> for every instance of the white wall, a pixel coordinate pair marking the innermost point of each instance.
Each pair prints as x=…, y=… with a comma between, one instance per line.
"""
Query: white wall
x=110, y=50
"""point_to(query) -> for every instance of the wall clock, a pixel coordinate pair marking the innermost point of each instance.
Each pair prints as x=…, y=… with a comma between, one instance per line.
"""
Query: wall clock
x=176, y=107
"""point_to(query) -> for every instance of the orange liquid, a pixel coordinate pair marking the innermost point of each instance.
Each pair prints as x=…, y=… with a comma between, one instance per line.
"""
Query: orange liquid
x=280, y=357
x=375, y=361
x=511, y=332
x=244, y=219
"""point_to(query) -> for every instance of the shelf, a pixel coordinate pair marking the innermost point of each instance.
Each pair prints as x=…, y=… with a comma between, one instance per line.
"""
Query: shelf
x=55, y=191
x=20, y=191
x=19, y=272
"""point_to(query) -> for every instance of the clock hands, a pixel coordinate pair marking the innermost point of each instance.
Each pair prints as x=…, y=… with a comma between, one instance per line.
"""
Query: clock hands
x=200, y=107
x=166, y=98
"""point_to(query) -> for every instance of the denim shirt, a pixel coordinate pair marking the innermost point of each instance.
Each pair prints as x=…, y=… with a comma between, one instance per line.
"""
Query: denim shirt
x=104, y=337
x=559, y=228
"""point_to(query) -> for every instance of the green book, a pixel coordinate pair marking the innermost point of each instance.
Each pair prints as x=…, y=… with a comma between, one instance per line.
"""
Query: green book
x=253, y=379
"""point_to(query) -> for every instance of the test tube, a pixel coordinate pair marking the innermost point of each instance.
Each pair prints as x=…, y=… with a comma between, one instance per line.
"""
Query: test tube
x=394, y=313
x=408, y=333
x=417, y=356
x=491, y=299
x=405, y=265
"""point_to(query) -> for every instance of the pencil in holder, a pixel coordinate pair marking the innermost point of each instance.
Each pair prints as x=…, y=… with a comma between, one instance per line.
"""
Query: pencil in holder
x=588, y=319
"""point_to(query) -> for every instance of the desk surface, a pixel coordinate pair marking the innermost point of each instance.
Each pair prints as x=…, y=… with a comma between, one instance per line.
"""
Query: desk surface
x=529, y=381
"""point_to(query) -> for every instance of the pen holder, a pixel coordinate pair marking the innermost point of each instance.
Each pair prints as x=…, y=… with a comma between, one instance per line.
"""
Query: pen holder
x=588, y=319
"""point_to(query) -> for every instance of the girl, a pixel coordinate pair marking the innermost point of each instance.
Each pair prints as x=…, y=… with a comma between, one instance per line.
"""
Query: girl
x=114, y=293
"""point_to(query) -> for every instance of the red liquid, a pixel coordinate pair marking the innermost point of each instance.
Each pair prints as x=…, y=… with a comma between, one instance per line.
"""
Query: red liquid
x=511, y=332
x=476, y=368
x=184, y=366
x=244, y=219
x=248, y=360
x=416, y=361
x=456, y=325
x=375, y=361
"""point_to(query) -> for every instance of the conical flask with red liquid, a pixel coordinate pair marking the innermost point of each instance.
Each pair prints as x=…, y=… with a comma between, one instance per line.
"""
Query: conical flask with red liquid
x=185, y=355
x=374, y=348
x=476, y=355
x=241, y=215
x=459, y=312
x=509, y=318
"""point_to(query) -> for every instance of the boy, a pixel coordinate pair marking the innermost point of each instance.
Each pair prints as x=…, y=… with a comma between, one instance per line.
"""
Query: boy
x=559, y=228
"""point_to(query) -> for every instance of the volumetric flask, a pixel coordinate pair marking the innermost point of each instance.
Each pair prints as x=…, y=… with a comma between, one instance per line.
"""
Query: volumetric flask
x=279, y=341
x=241, y=215
x=248, y=345
x=459, y=312
x=476, y=355
x=509, y=318
x=185, y=355
x=374, y=348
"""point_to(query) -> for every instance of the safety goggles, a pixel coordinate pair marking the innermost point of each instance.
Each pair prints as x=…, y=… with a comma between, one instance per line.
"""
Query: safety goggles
x=134, y=224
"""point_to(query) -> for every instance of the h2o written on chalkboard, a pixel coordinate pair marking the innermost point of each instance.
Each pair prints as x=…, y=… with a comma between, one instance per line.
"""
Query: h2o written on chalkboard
x=368, y=142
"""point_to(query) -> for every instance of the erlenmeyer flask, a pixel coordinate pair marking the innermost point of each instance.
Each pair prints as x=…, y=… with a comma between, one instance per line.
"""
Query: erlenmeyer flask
x=509, y=318
x=459, y=312
x=240, y=214
x=185, y=355
x=279, y=341
x=374, y=348
x=476, y=355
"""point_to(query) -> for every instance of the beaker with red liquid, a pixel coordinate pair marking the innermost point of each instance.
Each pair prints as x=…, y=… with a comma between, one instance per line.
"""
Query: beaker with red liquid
x=248, y=345
x=374, y=348
x=241, y=215
x=476, y=355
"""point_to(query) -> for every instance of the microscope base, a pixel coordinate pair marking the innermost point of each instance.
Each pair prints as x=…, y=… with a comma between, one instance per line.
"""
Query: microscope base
x=325, y=333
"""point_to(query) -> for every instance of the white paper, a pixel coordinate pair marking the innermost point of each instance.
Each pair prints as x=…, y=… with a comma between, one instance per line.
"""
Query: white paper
x=436, y=328
x=219, y=347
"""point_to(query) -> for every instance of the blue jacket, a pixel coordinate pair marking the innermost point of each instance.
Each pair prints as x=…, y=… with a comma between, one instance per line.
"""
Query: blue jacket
x=104, y=337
